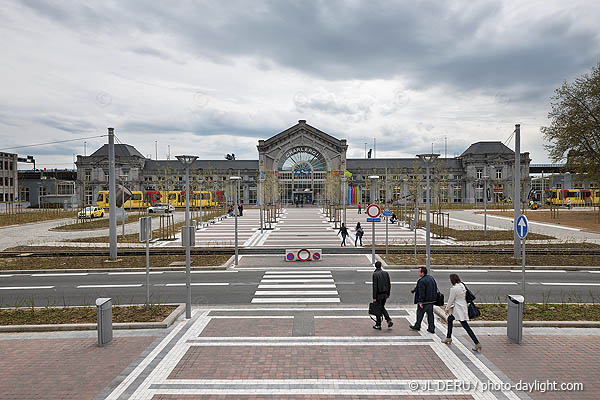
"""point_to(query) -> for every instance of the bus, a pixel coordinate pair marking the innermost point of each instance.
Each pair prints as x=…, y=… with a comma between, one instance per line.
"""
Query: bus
x=578, y=197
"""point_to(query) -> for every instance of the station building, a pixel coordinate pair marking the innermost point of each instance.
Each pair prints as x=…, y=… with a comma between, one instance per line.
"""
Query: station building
x=308, y=165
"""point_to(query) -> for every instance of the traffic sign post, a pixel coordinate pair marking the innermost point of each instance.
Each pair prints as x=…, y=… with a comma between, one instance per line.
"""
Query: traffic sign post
x=373, y=211
x=522, y=227
x=386, y=214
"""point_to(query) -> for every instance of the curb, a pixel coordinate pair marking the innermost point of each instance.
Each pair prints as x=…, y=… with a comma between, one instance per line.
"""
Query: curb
x=167, y=322
x=501, y=267
x=527, y=324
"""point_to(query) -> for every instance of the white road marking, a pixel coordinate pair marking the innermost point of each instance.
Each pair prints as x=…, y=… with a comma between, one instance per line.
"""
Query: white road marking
x=299, y=276
x=107, y=286
x=491, y=283
x=591, y=272
x=8, y=276
x=309, y=286
x=25, y=287
x=569, y=284
x=324, y=280
x=295, y=292
x=462, y=271
x=136, y=273
x=65, y=274
x=296, y=300
x=539, y=270
x=295, y=272
x=199, y=284
x=397, y=282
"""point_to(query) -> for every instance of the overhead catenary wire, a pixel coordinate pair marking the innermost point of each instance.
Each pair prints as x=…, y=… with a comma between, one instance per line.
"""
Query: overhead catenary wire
x=49, y=143
x=510, y=137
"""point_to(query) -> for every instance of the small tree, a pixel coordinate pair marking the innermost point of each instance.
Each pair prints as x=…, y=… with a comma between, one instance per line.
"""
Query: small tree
x=574, y=130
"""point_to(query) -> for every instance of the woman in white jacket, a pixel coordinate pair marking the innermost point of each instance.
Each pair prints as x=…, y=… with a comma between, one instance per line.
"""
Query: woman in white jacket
x=457, y=308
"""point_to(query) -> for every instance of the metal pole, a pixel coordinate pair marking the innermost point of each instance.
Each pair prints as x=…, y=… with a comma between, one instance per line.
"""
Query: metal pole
x=261, y=198
x=188, y=275
x=345, y=189
x=485, y=206
x=112, y=201
x=235, y=213
x=427, y=238
x=415, y=230
x=542, y=194
x=386, y=234
x=373, y=223
x=517, y=186
x=523, y=265
x=147, y=270
x=123, y=213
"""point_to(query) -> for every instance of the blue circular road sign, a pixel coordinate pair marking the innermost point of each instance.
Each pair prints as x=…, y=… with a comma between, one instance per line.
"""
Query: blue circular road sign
x=522, y=226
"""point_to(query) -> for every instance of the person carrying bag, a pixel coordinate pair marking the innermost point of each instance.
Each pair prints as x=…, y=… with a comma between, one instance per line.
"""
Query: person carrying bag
x=460, y=301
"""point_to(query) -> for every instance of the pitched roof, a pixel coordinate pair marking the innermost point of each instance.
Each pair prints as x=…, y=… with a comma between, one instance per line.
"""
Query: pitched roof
x=121, y=150
x=219, y=165
x=487, y=148
x=393, y=163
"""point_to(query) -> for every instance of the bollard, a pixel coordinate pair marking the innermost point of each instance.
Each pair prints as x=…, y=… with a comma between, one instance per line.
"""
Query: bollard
x=514, y=318
x=104, y=310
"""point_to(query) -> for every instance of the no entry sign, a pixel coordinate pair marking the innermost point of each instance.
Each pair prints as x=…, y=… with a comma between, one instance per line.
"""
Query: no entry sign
x=373, y=211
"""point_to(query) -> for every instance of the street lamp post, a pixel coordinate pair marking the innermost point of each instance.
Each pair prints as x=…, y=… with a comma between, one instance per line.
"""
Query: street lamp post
x=187, y=161
x=428, y=160
x=237, y=179
x=374, y=192
x=123, y=178
x=345, y=193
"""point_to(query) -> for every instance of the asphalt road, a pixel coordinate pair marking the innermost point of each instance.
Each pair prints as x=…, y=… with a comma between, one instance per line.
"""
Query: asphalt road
x=342, y=285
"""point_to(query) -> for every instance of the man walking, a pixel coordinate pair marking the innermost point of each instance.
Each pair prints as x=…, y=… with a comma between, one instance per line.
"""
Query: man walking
x=425, y=295
x=359, y=208
x=381, y=292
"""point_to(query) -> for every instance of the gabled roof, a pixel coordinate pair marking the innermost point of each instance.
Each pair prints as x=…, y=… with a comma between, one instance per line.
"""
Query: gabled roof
x=121, y=150
x=487, y=148
x=218, y=165
x=301, y=125
x=366, y=164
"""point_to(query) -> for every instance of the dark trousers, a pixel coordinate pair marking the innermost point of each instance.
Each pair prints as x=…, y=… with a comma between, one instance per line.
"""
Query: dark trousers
x=343, y=240
x=427, y=309
x=357, y=238
x=465, y=326
x=381, y=299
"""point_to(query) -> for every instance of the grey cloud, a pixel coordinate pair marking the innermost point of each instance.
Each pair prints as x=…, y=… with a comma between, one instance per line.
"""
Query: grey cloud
x=65, y=124
x=430, y=43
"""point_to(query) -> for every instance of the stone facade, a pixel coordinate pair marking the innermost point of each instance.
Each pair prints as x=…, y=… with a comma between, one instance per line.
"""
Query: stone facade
x=306, y=164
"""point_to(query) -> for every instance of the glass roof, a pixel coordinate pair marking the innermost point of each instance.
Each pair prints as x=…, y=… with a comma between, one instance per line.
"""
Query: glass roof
x=302, y=158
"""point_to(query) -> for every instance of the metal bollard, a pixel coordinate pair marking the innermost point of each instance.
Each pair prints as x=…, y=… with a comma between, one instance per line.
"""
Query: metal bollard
x=514, y=318
x=104, y=310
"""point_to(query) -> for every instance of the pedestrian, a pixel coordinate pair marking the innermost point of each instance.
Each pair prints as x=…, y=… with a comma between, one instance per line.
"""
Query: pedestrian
x=230, y=211
x=425, y=295
x=241, y=209
x=359, y=234
x=359, y=208
x=457, y=308
x=393, y=219
x=344, y=231
x=569, y=203
x=381, y=292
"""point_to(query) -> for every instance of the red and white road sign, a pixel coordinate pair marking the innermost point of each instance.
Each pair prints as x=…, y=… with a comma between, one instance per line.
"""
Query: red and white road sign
x=373, y=211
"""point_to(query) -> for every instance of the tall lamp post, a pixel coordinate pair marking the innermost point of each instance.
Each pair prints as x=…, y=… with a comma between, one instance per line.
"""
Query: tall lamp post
x=187, y=161
x=485, y=200
x=344, y=194
x=123, y=179
x=428, y=160
x=374, y=192
x=236, y=180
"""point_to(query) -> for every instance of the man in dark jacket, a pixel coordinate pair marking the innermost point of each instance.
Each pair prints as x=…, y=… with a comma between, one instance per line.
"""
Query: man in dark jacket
x=381, y=292
x=425, y=296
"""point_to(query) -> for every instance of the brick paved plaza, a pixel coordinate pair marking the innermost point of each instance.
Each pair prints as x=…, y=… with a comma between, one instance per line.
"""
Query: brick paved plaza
x=291, y=353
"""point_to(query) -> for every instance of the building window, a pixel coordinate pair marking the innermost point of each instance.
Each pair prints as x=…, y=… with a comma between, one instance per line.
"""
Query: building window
x=88, y=175
x=24, y=196
x=457, y=194
x=479, y=173
x=66, y=188
x=498, y=174
x=457, y=177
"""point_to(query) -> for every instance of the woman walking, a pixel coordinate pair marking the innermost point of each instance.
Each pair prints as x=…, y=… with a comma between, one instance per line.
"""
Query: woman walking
x=344, y=231
x=457, y=308
x=359, y=234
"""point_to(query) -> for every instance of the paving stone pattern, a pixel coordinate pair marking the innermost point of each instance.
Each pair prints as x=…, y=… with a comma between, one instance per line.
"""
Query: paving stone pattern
x=249, y=327
x=305, y=397
x=63, y=369
x=555, y=358
x=311, y=362
x=361, y=327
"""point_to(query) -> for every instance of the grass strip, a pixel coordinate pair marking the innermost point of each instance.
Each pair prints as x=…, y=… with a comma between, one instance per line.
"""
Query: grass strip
x=467, y=258
x=99, y=262
x=543, y=312
x=99, y=223
x=34, y=216
x=82, y=315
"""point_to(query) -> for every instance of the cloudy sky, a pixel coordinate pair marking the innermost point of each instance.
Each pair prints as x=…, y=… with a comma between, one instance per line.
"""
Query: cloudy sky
x=212, y=77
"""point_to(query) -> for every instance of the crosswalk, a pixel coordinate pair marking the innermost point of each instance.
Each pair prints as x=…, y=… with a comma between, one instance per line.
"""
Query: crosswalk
x=289, y=286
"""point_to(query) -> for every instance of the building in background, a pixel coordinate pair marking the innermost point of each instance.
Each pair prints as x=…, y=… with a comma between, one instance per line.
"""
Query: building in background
x=55, y=188
x=8, y=178
x=306, y=165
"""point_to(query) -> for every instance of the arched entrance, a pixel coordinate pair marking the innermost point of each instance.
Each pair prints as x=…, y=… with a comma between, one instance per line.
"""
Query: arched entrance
x=302, y=172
